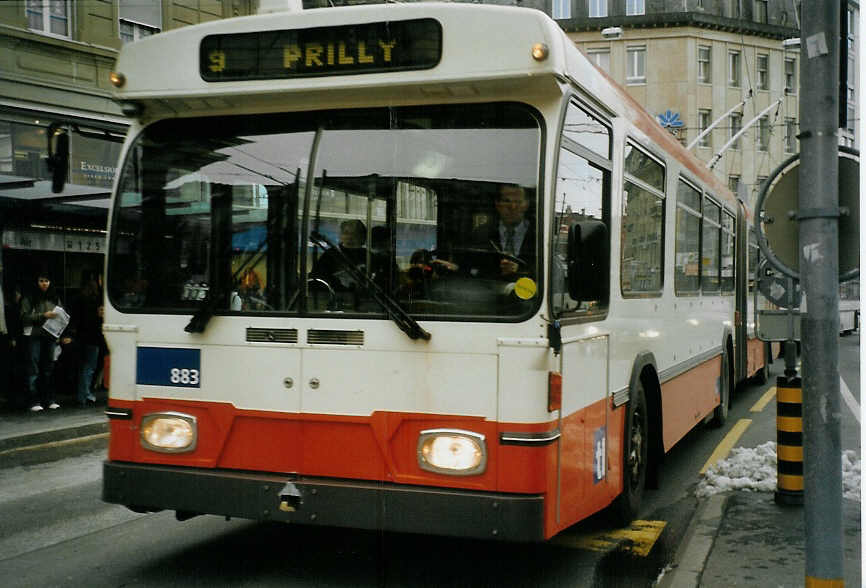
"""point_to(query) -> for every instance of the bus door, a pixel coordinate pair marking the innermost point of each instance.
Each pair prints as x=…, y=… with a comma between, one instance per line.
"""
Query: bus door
x=585, y=423
x=581, y=245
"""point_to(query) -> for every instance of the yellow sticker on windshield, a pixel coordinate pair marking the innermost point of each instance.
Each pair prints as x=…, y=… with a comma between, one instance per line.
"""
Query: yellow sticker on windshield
x=525, y=288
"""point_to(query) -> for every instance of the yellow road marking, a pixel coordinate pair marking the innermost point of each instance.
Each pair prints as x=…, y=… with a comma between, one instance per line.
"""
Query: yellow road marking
x=638, y=538
x=764, y=401
x=723, y=448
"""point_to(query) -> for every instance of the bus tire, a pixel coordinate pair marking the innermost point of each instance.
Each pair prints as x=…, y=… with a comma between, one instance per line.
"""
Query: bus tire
x=720, y=414
x=635, y=452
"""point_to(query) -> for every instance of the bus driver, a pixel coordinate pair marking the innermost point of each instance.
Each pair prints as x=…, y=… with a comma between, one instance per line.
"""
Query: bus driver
x=511, y=235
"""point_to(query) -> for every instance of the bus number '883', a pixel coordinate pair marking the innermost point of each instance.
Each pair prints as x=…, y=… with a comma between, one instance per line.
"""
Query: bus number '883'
x=184, y=376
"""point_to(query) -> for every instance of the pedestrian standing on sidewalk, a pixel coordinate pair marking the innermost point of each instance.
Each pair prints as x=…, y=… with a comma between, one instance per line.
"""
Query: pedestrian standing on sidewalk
x=86, y=328
x=14, y=349
x=35, y=310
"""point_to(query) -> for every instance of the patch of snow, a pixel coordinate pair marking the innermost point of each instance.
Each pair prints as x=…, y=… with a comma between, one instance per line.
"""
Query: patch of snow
x=662, y=573
x=850, y=475
x=754, y=470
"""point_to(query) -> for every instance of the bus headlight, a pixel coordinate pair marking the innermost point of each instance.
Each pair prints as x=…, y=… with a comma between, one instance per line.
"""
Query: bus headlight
x=169, y=432
x=452, y=451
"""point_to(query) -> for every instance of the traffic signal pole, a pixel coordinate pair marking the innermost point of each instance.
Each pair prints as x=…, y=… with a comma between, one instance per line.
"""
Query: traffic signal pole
x=818, y=216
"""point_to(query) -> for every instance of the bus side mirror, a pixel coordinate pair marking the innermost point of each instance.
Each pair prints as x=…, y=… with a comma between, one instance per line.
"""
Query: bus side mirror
x=58, y=158
x=588, y=260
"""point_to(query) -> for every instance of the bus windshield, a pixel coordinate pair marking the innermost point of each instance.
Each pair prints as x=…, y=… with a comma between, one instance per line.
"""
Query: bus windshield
x=434, y=206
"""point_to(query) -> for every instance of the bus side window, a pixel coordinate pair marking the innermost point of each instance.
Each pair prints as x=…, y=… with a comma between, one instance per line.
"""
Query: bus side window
x=582, y=194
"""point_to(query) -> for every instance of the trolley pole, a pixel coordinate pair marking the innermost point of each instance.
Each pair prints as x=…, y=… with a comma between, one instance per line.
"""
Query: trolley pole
x=819, y=271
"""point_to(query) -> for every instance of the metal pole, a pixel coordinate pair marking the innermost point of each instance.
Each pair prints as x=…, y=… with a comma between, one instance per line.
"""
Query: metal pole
x=745, y=128
x=718, y=120
x=819, y=272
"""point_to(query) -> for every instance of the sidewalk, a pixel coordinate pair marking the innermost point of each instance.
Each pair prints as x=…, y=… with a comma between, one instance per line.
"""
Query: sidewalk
x=745, y=539
x=27, y=438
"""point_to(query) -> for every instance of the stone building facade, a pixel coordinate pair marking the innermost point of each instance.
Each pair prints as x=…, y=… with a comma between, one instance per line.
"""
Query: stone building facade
x=55, y=57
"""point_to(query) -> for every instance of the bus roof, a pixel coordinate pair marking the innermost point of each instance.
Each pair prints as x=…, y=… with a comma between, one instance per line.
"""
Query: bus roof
x=479, y=42
x=484, y=48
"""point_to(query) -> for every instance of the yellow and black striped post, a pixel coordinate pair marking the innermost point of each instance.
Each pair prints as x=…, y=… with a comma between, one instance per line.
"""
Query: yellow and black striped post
x=789, y=441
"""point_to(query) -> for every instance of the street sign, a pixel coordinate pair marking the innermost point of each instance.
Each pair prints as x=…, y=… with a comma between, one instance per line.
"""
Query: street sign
x=779, y=213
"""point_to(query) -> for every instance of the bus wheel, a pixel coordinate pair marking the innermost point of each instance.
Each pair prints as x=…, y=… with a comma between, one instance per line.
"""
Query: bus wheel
x=634, y=463
x=720, y=414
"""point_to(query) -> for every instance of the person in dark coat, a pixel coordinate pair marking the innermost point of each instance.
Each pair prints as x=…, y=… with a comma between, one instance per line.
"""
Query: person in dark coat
x=331, y=269
x=35, y=310
x=86, y=329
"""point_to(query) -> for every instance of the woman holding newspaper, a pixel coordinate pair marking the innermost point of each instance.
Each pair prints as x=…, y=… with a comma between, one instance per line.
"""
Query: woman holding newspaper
x=43, y=321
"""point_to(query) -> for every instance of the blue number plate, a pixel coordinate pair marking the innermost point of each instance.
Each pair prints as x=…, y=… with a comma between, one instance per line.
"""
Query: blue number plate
x=169, y=366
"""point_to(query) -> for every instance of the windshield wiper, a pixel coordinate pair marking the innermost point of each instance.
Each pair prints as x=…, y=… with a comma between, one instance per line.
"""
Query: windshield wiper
x=395, y=312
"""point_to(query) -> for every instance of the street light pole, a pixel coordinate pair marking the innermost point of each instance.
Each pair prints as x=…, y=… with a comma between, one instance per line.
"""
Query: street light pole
x=819, y=271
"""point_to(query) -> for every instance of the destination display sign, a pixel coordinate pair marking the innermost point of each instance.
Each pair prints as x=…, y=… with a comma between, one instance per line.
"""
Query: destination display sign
x=339, y=50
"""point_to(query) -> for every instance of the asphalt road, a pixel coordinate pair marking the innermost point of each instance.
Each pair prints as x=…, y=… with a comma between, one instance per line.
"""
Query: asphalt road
x=55, y=531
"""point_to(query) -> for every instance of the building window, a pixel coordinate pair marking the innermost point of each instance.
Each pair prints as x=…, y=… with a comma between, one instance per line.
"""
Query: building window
x=733, y=183
x=734, y=69
x=764, y=134
x=704, y=70
x=133, y=31
x=600, y=57
x=636, y=66
x=597, y=8
x=734, y=8
x=852, y=75
x=704, y=120
x=759, y=183
x=852, y=29
x=790, y=135
x=850, y=114
x=633, y=7
x=561, y=9
x=736, y=125
x=763, y=64
x=790, y=75
x=761, y=11
x=48, y=16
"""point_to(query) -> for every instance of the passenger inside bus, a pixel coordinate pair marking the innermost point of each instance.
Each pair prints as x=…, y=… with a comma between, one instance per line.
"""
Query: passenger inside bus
x=509, y=239
x=329, y=267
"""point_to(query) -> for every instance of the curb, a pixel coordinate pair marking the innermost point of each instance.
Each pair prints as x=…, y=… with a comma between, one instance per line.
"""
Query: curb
x=52, y=445
x=689, y=561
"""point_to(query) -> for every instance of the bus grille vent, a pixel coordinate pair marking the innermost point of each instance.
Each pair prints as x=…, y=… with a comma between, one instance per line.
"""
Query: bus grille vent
x=329, y=337
x=255, y=335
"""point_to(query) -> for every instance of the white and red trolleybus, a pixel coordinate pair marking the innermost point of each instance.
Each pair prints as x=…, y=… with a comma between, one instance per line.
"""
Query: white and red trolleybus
x=412, y=267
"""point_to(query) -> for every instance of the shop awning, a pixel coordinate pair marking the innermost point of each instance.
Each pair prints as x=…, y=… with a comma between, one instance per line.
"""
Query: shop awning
x=40, y=191
x=13, y=182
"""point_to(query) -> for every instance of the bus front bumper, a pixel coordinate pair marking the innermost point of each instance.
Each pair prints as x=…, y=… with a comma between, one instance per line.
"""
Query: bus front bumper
x=325, y=501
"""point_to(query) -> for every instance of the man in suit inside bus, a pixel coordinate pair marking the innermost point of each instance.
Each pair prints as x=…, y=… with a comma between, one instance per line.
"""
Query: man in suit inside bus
x=510, y=238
